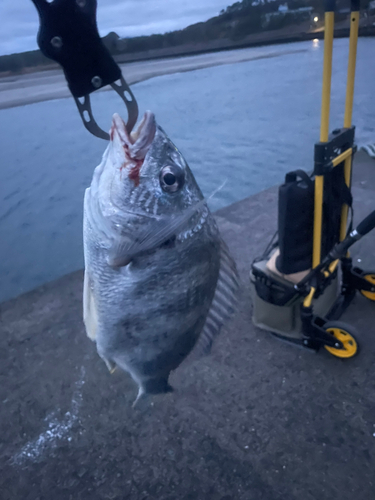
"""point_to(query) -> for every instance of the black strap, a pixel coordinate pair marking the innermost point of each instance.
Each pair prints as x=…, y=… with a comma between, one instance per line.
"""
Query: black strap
x=347, y=196
x=293, y=176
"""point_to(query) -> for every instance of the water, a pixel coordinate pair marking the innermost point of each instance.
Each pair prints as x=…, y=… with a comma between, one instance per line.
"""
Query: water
x=249, y=123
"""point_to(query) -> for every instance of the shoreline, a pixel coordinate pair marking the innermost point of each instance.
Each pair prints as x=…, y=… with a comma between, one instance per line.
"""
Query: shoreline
x=43, y=86
x=49, y=83
x=263, y=39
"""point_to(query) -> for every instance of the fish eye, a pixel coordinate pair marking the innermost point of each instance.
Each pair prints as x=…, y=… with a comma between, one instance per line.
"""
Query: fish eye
x=172, y=178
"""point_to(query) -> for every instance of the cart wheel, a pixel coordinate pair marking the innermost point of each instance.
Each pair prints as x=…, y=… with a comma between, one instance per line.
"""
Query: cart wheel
x=371, y=278
x=341, y=332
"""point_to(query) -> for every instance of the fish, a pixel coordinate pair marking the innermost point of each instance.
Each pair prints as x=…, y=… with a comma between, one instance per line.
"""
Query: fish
x=159, y=281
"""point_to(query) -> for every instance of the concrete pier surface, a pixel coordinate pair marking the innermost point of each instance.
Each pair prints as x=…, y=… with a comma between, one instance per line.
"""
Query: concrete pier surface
x=258, y=419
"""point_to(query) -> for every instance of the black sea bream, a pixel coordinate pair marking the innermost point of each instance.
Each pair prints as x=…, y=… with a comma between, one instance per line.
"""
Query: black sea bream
x=158, y=278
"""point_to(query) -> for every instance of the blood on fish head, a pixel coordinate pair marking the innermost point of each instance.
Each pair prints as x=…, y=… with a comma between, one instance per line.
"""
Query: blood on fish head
x=123, y=160
x=134, y=145
x=131, y=149
x=145, y=173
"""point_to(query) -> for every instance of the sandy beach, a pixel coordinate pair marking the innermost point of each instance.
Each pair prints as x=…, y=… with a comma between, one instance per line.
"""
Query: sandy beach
x=19, y=90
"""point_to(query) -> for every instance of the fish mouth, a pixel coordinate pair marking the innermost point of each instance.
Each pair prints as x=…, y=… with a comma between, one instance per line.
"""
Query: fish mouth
x=136, y=144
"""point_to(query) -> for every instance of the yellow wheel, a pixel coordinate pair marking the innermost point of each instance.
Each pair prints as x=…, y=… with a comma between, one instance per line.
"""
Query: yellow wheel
x=371, y=278
x=341, y=332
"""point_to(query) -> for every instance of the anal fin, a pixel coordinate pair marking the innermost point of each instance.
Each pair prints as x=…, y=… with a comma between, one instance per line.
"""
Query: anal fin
x=90, y=314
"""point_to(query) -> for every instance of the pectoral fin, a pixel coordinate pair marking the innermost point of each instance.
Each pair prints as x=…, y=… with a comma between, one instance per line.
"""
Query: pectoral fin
x=124, y=250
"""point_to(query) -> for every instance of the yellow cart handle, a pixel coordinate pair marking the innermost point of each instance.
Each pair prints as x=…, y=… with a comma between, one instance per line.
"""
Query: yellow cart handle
x=353, y=39
x=329, y=21
x=329, y=18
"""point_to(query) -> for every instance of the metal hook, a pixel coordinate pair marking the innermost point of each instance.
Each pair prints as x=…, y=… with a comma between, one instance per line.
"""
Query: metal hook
x=68, y=34
x=87, y=116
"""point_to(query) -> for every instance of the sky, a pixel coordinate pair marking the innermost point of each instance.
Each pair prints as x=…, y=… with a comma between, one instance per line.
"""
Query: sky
x=19, y=19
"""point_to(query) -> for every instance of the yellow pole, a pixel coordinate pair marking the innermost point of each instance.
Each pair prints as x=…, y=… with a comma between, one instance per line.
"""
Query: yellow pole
x=354, y=23
x=318, y=213
x=342, y=157
x=329, y=20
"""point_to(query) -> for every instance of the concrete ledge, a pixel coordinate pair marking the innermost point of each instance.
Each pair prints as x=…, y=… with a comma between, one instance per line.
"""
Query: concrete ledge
x=258, y=419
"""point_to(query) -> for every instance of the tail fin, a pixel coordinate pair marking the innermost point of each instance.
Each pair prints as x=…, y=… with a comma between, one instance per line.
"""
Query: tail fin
x=152, y=386
x=157, y=386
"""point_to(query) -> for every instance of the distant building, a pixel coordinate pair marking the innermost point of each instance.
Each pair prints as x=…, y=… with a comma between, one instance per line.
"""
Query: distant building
x=294, y=15
x=283, y=7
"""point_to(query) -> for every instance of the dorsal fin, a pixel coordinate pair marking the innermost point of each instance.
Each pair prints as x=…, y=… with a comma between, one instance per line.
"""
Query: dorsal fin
x=223, y=304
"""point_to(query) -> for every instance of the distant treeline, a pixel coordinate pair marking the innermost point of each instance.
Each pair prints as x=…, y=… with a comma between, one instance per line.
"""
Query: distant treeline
x=17, y=62
x=34, y=58
x=234, y=23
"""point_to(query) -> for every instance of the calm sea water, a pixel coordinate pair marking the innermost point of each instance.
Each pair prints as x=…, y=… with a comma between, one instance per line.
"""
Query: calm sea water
x=249, y=123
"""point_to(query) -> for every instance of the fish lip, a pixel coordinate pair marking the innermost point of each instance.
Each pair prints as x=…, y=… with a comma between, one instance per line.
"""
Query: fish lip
x=136, y=144
x=145, y=127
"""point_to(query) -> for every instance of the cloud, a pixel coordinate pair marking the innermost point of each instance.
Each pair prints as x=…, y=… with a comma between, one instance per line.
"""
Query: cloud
x=19, y=19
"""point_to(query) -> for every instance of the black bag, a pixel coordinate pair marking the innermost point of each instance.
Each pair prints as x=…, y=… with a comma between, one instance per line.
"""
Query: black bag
x=295, y=223
x=296, y=217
